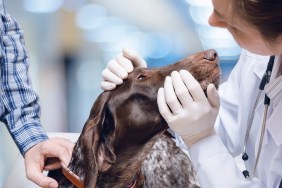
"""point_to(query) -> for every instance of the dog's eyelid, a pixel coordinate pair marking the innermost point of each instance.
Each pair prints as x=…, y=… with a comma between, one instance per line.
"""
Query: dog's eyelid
x=141, y=77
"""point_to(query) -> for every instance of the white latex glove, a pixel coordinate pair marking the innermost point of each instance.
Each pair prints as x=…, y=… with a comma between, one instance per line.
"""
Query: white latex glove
x=117, y=69
x=187, y=110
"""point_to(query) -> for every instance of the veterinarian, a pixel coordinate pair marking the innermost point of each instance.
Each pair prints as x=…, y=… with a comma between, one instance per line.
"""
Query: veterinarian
x=19, y=108
x=244, y=117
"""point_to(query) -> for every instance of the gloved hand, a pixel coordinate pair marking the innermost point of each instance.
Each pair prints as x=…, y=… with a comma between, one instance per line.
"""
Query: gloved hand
x=187, y=110
x=118, y=68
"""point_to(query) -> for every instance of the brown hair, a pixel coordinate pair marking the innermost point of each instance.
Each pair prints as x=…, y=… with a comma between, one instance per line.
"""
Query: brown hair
x=265, y=15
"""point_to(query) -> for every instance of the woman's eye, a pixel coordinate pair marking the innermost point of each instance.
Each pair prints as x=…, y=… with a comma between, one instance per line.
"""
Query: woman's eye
x=141, y=77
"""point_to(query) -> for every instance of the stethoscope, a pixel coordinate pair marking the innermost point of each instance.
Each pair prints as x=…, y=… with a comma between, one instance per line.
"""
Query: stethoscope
x=264, y=81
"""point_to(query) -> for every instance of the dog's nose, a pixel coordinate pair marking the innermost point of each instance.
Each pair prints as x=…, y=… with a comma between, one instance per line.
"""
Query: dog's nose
x=210, y=55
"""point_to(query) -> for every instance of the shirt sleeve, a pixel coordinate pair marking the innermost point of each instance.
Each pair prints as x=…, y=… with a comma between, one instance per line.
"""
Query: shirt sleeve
x=19, y=103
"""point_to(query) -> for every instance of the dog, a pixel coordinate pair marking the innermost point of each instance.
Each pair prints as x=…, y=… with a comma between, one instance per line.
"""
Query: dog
x=125, y=142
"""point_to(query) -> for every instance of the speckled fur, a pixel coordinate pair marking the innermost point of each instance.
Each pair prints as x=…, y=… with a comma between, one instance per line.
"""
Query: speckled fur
x=122, y=133
x=167, y=166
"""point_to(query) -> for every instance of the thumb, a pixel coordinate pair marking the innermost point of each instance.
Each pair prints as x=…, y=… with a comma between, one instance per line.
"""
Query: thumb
x=34, y=174
x=47, y=182
x=213, y=96
x=134, y=57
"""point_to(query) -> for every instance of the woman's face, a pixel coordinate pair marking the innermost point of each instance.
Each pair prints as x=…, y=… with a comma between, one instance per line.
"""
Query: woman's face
x=245, y=35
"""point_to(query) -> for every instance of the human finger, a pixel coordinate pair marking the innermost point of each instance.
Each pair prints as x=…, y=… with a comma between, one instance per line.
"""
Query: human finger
x=107, y=75
x=53, y=166
x=52, y=163
x=34, y=173
x=163, y=108
x=51, y=149
x=170, y=96
x=66, y=143
x=134, y=57
x=105, y=85
x=125, y=63
x=117, y=69
x=213, y=96
x=193, y=86
x=181, y=89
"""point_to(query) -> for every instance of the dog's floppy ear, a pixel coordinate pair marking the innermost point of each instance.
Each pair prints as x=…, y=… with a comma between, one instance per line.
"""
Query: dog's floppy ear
x=97, y=139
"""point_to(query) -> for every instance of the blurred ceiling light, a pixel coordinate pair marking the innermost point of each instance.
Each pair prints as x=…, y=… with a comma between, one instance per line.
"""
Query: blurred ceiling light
x=91, y=16
x=201, y=3
x=42, y=6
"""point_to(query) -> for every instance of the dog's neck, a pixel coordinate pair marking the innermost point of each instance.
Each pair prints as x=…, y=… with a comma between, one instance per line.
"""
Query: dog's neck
x=122, y=173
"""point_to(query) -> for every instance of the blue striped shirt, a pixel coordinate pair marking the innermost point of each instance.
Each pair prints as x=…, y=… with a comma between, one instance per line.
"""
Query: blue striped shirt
x=19, y=107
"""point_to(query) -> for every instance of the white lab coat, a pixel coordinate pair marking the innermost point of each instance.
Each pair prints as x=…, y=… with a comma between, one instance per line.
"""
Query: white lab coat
x=213, y=157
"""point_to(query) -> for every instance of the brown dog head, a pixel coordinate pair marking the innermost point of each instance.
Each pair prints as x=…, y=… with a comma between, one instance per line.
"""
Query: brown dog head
x=124, y=120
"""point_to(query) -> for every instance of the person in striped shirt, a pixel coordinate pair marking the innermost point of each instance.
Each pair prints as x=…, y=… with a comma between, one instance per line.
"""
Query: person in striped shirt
x=19, y=107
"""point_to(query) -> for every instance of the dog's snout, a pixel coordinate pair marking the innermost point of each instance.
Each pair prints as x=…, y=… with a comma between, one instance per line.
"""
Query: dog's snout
x=210, y=55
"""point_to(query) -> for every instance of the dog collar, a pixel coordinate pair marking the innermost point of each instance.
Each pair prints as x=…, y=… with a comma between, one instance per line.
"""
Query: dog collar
x=72, y=177
x=134, y=180
x=132, y=184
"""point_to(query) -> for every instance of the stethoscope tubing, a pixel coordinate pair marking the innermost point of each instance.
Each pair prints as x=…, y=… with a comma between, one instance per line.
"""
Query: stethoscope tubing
x=265, y=80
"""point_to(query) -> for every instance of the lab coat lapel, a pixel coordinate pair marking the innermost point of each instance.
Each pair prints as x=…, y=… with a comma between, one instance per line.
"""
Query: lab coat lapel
x=258, y=70
x=274, y=124
x=274, y=92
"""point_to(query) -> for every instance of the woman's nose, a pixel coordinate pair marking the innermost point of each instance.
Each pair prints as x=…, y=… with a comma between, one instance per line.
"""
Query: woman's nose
x=217, y=22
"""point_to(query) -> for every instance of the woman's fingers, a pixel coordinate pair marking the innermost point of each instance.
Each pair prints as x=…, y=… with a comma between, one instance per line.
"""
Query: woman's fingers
x=213, y=96
x=163, y=108
x=125, y=63
x=181, y=90
x=170, y=96
x=193, y=86
x=117, y=69
x=134, y=57
x=111, y=77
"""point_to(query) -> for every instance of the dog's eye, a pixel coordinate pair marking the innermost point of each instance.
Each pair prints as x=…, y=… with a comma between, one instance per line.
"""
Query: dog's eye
x=141, y=77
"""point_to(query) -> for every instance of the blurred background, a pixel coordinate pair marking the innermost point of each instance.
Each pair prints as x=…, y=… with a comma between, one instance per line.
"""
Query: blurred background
x=70, y=42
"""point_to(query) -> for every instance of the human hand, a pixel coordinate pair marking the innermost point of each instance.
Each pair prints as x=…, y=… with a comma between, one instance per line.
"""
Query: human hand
x=36, y=156
x=118, y=68
x=187, y=110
